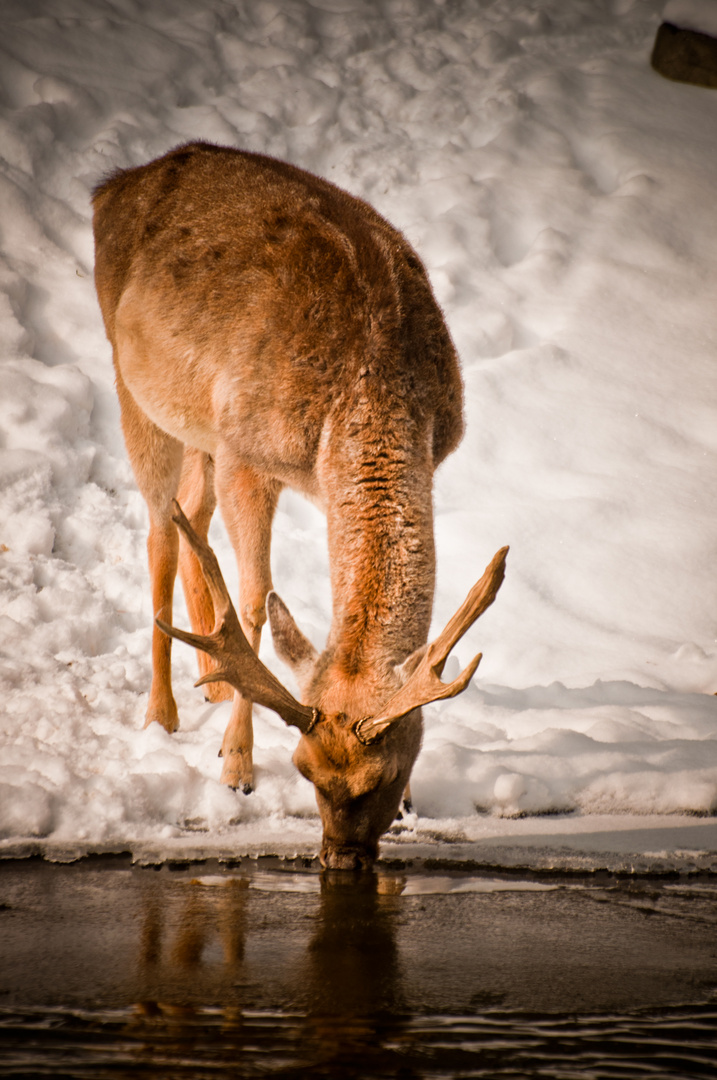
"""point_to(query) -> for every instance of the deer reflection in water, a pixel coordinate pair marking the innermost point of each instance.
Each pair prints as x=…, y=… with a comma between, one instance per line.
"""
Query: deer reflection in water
x=352, y=964
x=341, y=990
x=176, y=945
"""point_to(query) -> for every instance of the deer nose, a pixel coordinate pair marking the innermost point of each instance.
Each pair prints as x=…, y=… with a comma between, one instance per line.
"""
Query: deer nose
x=345, y=858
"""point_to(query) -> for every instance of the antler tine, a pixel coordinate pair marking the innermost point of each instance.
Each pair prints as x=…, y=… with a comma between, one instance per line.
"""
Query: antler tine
x=227, y=644
x=425, y=685
x=210, y=567
x=478, y=600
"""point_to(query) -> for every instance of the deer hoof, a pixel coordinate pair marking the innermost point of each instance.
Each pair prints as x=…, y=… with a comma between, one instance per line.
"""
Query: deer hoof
x=405, y=809
x=246, y=789
x=168, y=719
x=213, y=691
x=237, y=771
x=216, y=692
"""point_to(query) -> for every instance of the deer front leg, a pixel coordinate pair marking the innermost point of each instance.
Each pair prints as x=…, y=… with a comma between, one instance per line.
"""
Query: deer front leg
x=247, y=502
x=237, y=749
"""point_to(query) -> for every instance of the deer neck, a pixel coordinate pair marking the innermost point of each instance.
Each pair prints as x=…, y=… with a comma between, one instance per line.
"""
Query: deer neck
x=377, y=477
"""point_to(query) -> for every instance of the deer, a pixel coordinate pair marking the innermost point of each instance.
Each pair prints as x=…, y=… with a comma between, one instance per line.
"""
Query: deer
x=271, y=330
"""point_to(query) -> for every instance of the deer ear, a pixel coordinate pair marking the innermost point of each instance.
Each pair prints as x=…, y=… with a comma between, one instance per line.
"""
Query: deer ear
x=290, y=644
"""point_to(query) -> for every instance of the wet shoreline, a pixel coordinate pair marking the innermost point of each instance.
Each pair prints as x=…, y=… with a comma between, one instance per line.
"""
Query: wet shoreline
x=410, y=865
x=613, y=843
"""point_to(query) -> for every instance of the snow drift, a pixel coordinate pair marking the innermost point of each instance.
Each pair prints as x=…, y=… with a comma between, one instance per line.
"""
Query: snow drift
x=562, y=196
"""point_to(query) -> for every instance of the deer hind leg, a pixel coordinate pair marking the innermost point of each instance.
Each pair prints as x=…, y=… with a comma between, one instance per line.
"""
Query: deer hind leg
x=156, y=460
x=198, y=499
x=162, y=551
x=247, y=502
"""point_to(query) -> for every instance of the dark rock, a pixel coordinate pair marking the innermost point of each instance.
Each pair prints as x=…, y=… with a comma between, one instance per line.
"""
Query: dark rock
x=685, y=55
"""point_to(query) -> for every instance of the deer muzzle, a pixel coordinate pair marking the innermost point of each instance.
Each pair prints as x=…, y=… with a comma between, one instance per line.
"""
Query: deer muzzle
x=347, y=856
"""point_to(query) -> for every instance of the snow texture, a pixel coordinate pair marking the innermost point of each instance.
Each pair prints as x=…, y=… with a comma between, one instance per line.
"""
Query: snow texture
x=562, y=196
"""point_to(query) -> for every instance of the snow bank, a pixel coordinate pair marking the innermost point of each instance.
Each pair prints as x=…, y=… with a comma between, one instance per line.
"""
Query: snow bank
x=562, y=197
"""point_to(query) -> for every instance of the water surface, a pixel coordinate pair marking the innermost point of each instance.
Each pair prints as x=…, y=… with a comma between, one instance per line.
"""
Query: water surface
x=273, y=969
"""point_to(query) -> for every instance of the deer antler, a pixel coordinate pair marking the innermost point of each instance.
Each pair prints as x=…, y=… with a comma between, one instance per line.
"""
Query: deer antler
x=425, y=685
x=238, y=663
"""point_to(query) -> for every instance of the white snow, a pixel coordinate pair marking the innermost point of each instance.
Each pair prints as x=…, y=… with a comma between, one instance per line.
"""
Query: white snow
x=562, y=196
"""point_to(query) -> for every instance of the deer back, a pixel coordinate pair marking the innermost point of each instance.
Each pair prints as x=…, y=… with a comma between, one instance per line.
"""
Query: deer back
x=260, y=300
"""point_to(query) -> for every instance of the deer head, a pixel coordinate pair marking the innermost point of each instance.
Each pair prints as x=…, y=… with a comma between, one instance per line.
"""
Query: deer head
x=359, y=764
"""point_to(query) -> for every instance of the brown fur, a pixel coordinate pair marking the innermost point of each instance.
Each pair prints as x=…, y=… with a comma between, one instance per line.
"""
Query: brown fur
x=271, y=330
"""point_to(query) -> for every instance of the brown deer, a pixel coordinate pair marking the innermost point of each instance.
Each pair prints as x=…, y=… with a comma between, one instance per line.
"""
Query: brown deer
x=271, y=330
